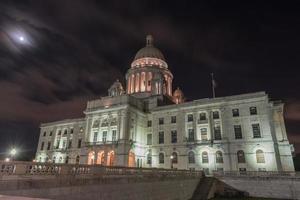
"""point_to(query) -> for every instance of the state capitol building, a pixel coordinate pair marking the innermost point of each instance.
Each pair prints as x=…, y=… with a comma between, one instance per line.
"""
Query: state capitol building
x=148, y=124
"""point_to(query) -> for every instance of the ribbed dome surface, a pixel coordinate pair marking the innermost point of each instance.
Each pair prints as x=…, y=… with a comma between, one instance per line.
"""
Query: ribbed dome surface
x=149, y=50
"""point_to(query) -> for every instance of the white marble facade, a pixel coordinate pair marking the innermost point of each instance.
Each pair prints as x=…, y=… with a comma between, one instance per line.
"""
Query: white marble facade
x=149, y=125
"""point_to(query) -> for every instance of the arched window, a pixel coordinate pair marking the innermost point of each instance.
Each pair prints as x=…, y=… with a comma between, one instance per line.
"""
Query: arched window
x=191, y=156
x=77, y=159
x=241, y=156
x=54, y=159
x=219, y=157
x=205, y=157
x=260, y=157
x=100, y=158
x=149, y=158
x=111, y=158
x=161, y=158
x=91, y=158
x=67, y=160
x=174, y=158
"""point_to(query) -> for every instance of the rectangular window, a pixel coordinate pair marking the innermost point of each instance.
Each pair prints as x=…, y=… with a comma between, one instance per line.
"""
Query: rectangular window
x=202, y=116
x=174, y=136
x=191, y=136
x=235, y=112
x=256, y=131
x=114, y=135
x=238, y=131
x=149, y=123
x=79, y=143
x=64, y=144
x=95, y=137
x=216, y=115
x=217, y=132
x=59, y=132
x=70, y=144
x=161, y=137
x=45, y=133
x=149, y=139
x=149, y=158
x=104, y=135
x=49, y=145
x=42, y=146
x=173, y=119
x=190, y=118
x=57, y=144
x=161, y=121
x=203, y=133
x=253, y=111
x=50, y=133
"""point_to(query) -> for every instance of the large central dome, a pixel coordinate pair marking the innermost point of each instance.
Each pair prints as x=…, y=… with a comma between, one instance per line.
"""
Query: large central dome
x=149, y=51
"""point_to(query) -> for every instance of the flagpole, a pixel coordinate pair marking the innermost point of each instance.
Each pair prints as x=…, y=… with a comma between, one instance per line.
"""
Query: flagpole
x=213, y=84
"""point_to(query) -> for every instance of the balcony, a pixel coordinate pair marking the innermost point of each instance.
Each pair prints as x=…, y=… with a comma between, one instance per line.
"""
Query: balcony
x=99, y=143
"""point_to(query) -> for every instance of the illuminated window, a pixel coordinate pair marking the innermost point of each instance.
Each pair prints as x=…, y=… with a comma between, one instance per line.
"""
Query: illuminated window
x=191, y=157
x=161, y=158
x=253, y=111
x=238, y=131
x=260, y=157
x=256, y=131
x=217, y=132
x=219, y=157
x=190, y=117
x=216, y=115
x=191, y=135
x=203, y=133
x=149, y=139
x=205, y=157
x=235, y=112
x=241, y=156
x=161, y=137
x=174, y=158
x=174, y=136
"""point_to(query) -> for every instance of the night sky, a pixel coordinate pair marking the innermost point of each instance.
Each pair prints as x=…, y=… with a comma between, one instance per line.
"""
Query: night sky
x=72, y=51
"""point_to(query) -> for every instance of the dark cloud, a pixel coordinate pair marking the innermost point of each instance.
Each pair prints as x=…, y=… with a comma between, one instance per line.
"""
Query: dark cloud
x=76, y=49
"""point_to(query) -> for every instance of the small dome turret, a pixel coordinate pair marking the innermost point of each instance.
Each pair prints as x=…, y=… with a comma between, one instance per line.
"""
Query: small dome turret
x=178, y=96
x=116, y=89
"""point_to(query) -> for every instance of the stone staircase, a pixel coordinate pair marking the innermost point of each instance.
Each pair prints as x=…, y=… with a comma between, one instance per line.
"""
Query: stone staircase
x=203, y=189
x=210, y=187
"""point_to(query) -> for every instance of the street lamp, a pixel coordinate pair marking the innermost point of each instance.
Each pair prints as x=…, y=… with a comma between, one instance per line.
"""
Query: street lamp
x=171, y=157
x=13, y=153
x=7, y=159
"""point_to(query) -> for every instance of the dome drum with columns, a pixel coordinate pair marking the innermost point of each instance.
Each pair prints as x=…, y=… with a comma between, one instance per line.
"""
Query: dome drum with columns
x=149, y=74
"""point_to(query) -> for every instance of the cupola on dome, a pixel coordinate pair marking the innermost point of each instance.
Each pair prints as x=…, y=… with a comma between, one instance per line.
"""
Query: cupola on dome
x=149, y=51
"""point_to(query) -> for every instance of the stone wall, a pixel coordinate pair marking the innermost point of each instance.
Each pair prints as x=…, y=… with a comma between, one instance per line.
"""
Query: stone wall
x=267, y=187
x=110, y=188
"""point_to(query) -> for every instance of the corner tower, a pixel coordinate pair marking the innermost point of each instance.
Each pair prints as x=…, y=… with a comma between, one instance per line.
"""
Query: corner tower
x=149, y=74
